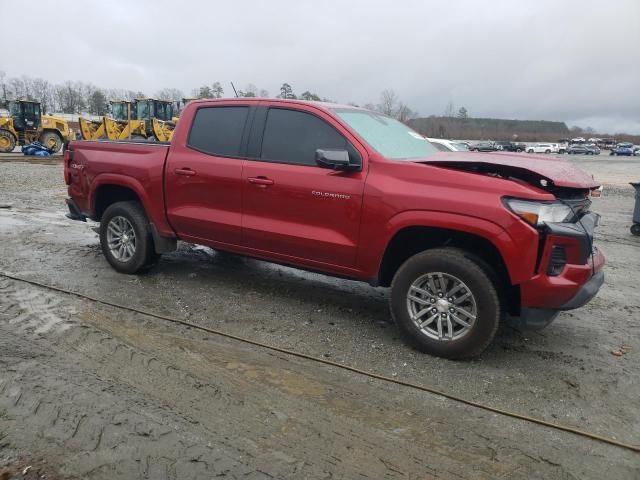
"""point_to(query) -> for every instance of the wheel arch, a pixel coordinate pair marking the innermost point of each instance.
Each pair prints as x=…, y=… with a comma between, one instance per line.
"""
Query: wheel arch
x=409, y=240
x=54, y=131
x=109, y=189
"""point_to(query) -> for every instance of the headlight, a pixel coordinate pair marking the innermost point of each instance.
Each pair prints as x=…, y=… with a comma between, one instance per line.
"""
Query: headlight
x=538, y=213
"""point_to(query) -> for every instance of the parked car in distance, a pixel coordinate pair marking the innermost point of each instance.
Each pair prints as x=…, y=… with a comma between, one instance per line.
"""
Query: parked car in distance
x=540, y=148
x=636, y=150
x=461, y=239
x=622, y=149
x=483, y=147
x=558, y=147
x=511, y=146
x=445, y=145
x=578, y=149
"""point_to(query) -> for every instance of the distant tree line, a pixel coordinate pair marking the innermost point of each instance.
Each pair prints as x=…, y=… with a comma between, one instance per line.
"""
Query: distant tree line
x=464, y=127
x=77, y=97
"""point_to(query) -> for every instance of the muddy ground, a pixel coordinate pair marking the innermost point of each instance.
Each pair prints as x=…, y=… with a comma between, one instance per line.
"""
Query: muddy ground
x=90, y=391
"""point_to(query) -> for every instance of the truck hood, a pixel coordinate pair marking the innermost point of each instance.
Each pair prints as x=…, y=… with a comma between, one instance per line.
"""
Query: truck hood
x=538, y=170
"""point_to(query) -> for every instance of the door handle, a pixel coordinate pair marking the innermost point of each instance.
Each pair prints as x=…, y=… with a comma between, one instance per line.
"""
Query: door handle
x=187, y=172
x=261, y=181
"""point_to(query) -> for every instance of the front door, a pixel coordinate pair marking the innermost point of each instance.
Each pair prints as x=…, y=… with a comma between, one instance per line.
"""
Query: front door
x=204, y=177
x=292, y=207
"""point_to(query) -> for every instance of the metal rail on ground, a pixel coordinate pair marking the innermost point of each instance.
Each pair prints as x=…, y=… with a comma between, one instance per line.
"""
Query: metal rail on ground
x=424, y=388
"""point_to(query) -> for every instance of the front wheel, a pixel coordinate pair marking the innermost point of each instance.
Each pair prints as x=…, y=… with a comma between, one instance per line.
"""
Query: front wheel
x=7, y=141
x=126, y=239
x=52, y=141
x=635, y=229
x=445, y=303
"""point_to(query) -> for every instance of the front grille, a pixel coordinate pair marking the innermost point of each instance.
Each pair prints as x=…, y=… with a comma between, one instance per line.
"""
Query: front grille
x=557, y=261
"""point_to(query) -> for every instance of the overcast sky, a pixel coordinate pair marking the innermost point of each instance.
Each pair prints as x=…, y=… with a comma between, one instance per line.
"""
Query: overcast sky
x=575, y=61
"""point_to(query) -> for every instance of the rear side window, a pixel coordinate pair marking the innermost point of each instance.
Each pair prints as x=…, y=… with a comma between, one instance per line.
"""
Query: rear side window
x=292, y=136
x=218, y=130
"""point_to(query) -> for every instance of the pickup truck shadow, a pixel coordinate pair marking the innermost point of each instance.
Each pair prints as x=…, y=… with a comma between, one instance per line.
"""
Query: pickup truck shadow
x=249, y=285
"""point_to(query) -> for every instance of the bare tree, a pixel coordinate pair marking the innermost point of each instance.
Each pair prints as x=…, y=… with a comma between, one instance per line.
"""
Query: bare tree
x=3, y=86
x=171, y=94
x=42, y=92
x=388, y=102
x=449, y=110
x=404, y=113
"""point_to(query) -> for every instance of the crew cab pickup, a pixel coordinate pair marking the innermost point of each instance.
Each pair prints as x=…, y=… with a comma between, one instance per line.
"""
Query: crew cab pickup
x=462, y=240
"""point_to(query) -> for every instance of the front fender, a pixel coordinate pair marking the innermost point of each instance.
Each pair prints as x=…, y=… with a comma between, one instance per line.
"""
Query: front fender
x=517, y=245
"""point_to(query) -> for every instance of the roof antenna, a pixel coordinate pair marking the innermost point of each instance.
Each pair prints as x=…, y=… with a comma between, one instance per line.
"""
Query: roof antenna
x=234, y=90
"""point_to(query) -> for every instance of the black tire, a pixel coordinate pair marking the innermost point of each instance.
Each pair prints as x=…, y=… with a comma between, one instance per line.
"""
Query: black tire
x=52, y=141
x=144, y=255
x=530, y=151
x=518, y=150
x=635, y=229
x=547, y=151
x=7, y=141
x=470, y=271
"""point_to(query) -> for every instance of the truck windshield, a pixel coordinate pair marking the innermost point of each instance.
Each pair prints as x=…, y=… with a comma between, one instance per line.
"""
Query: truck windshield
x=387, y=136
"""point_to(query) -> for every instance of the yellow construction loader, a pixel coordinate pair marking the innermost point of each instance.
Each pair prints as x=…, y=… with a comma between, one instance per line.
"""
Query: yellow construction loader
x=94, y=129
x=141, y=121
x=26, y=124
x=163, y=129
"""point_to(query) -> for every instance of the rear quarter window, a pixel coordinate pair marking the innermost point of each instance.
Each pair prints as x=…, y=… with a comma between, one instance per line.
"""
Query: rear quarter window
x=218, y=130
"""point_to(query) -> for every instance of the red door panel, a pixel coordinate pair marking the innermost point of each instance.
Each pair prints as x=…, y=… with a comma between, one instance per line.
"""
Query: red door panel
x=204, y=196
x=301, y=211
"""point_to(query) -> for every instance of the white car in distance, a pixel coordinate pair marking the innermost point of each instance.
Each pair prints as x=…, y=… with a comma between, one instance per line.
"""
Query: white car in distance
x=541, y=148
x=445, y=145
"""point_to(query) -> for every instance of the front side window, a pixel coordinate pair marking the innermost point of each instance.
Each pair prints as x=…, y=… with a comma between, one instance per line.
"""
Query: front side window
x=142, y=110
x=292, y=136
x=389, y=137
x=14, y=109
x=218, y=130
x=120, y=111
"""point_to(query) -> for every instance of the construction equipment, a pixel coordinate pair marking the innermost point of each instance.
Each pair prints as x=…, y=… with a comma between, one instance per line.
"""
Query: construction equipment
x=163, y=130
x=122, y=123
x=26, y=124
x=94, y=129
x=139, y=119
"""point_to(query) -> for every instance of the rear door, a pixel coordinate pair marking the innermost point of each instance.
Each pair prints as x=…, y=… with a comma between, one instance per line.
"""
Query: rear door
x=204, y=176
x=292, y=207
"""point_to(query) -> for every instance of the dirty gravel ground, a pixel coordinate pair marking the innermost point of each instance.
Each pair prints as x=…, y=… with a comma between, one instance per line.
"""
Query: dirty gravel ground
x=90, y=391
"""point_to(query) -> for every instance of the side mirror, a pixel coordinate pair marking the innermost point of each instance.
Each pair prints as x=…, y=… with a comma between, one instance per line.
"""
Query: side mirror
x=335, y=159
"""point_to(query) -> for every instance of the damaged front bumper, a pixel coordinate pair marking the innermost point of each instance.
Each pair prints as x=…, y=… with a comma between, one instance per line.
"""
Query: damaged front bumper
x=575, y=284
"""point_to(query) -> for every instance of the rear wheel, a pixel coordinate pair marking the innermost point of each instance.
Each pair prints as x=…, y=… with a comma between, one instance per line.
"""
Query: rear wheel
x=445, y=303
x=547, y=151
x=126, y=239
x=7, y=141
x=635, y=229
x=530, y=150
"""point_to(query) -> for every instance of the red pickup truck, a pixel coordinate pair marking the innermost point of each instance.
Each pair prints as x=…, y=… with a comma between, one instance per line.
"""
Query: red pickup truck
x=463, y=239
